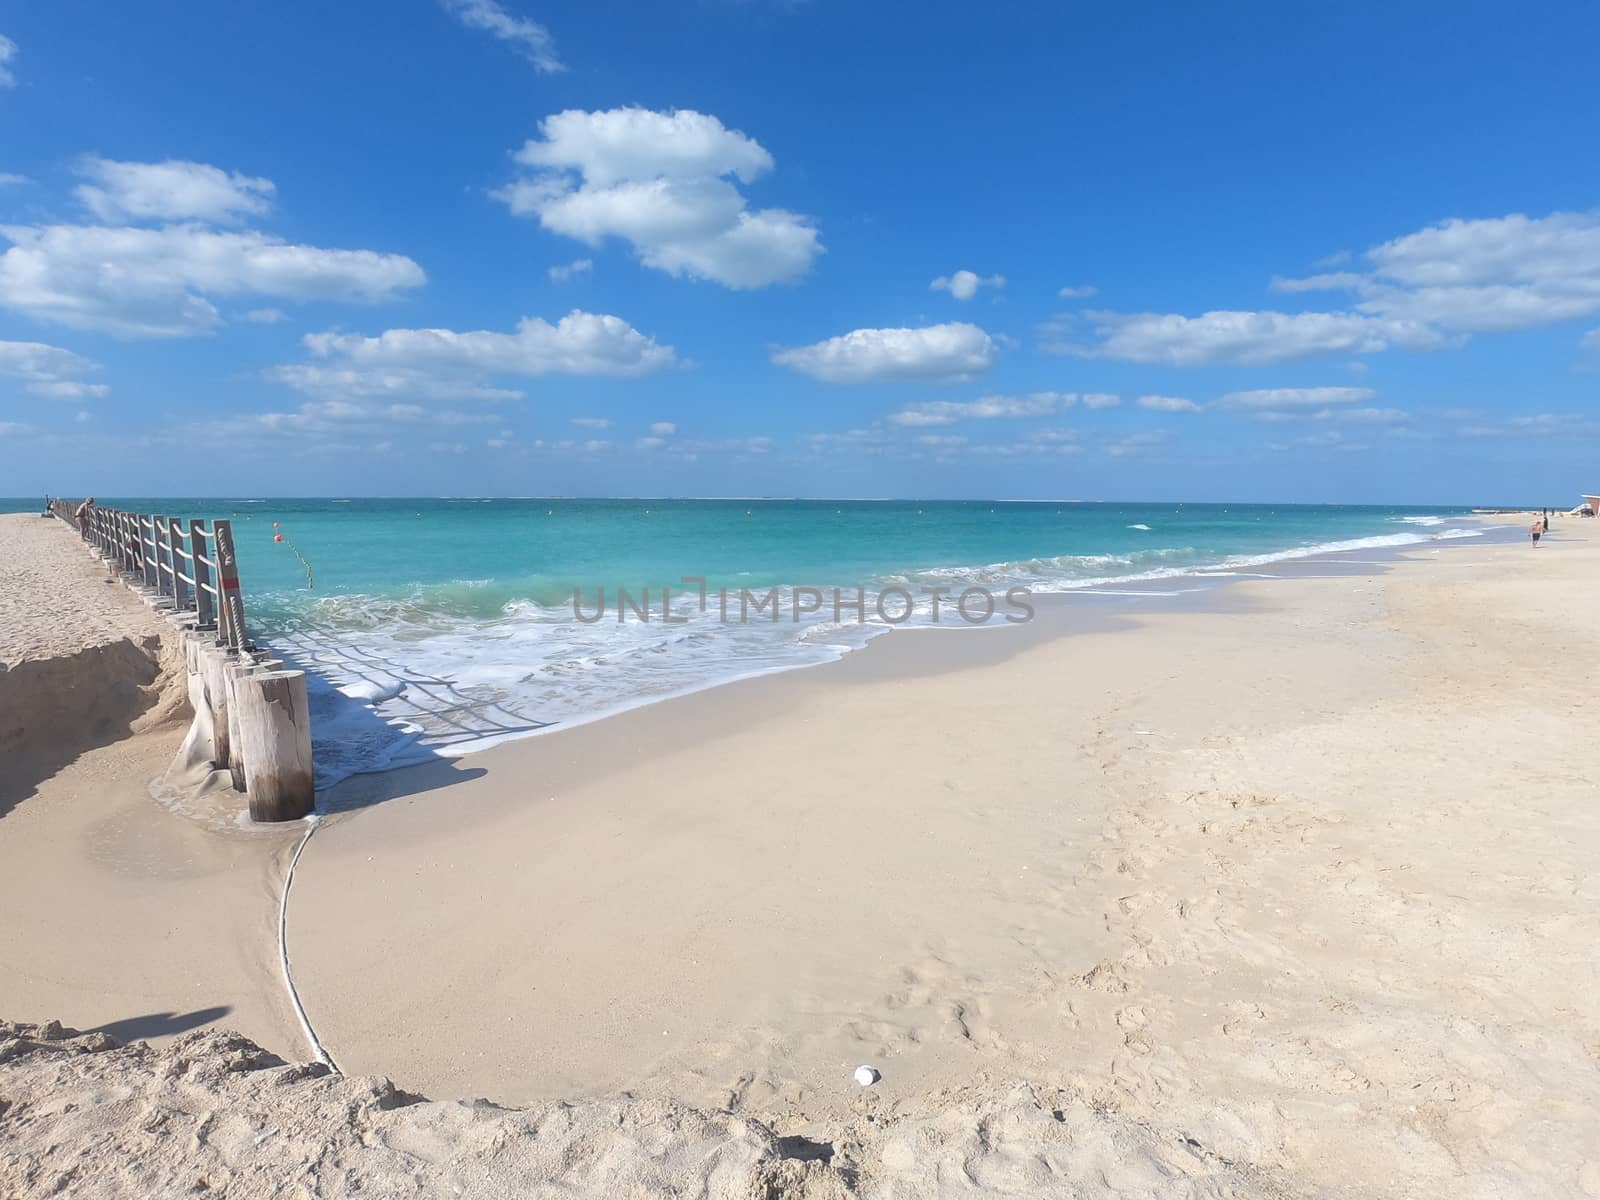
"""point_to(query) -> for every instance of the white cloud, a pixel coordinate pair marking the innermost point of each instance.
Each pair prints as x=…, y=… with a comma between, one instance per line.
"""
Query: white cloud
x=1491, y=275
x=663, y=429
x=592, y=422
x=870, y=440
x=1331, y=282
x=1296, y=398
x=659, y=181
x=14, y=429
x=1545, y=422
x=49, y=370
x=1135, y=443
x=1100, y=400
x=532, y=40
x=1172, y=404
x=266, y=316
x=1367, y=416
x=1035, y=446
x=156, y=282
x=8, y=52
x=1244, y=338
x=442, y=364
x=1590, y=341
x=964, y=285
x=943, y=440
x=936, y=352
x=1328, y=437
x=1082, y=292
x=629, y=144
x=581, y=343
x=566, y=271
x=399, y=383
x=1423, y=291
x=170, y=191
x=737, y=447
x=948, y=412
x=12, y=179
x=320, y=423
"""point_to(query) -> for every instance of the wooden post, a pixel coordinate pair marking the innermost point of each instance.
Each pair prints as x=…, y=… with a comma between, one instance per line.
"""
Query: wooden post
x=170, y=553
x=228, y=585
x=214, y=666
x=177, y=546
x=230, y=682
x=199, y=744
x=147, y=552
x=275, y=726
x=157, y=556
x=202, y=575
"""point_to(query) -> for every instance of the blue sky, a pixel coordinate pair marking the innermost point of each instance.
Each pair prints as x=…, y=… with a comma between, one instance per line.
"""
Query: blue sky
x=711, y=247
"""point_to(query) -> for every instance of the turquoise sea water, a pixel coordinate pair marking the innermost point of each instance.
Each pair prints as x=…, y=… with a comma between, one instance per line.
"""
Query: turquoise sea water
x=442, y=625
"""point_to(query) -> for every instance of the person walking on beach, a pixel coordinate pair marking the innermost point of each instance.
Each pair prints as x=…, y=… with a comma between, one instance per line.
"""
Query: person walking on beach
x=82, y=514
x=1536, y=529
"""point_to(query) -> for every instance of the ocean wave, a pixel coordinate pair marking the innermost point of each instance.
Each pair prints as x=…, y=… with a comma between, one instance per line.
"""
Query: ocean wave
x=451, y=668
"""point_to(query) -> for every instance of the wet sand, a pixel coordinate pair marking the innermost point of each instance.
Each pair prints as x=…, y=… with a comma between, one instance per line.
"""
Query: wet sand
x=1305, y=869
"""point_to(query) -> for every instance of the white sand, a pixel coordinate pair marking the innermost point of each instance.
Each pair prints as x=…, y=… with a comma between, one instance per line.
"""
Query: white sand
x=211, y=1114
x=1312, y=882
x=1299, y=898
x=56, y=598
x=117, y=913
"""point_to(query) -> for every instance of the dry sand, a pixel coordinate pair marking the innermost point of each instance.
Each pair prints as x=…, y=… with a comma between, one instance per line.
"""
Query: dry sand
x=1294, y=898
x=1311, y=883
x=211, y=1114
x=81, y=658
x=118, y=914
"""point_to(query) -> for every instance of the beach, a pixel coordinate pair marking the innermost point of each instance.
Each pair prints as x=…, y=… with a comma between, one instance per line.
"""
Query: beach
x=1288, y=887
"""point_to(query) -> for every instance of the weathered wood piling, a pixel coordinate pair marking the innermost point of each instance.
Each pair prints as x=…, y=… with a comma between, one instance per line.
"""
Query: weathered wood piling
x=252, y=717
x=275, y=729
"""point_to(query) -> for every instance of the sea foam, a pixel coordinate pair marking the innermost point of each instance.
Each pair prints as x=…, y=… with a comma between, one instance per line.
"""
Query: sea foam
x=397, y=681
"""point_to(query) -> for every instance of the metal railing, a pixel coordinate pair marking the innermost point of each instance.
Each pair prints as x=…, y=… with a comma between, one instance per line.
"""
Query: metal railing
x=192, y=565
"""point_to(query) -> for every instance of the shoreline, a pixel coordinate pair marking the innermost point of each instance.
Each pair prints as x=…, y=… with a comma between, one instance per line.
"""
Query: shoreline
x=1161, y=582
x=993, y=906
x=1300, y=877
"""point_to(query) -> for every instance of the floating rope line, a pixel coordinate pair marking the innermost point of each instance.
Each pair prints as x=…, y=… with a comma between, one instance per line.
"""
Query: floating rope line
x=311, y=584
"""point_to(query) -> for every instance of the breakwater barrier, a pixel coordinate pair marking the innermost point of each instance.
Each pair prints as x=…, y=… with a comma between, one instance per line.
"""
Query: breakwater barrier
x=252, y=718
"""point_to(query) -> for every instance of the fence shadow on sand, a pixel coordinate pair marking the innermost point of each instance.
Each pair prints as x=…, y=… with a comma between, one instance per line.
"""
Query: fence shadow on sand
x=363, y=753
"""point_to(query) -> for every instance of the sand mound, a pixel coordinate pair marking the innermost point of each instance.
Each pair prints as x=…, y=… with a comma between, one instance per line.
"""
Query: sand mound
x=213, y=1114
x=54, y=709
x=83, y=662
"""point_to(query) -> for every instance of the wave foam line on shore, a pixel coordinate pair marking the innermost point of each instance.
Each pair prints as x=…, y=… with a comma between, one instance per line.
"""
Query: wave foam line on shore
x=404, y=683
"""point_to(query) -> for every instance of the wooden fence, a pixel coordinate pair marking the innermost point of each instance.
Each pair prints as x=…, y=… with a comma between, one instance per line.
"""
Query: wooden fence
x=192, y=565
x=251, y=717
